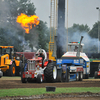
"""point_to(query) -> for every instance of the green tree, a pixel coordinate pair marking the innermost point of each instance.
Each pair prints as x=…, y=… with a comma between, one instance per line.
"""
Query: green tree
x=44, y=36
x=80, y=28
x=13, y=34
x=76, y=28
x=94, y=31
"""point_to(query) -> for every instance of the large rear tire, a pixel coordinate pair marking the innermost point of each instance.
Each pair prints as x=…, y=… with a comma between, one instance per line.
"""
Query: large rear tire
x=95, y=74
x=18, y=69
x=12, y=70
x=68, y=75
x=50, y=72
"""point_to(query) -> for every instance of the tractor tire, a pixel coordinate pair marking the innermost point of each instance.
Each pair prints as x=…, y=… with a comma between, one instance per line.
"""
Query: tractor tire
x=95, y=74
x=4, y=73
x=12, y=70
x=39, y=78
x=68, y=76
x=63, y=77
x=50, y=72
x=29, y=80
x=80, y=76
x=86, y=76
x=23, y=80
x=77, y=76
x=18, y=69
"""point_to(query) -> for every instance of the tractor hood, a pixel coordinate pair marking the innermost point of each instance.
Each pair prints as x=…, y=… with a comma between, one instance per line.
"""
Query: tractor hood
x=72, y=55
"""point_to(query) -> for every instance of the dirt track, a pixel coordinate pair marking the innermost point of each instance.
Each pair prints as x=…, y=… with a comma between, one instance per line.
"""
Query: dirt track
x=11, y=82
x=15, y=82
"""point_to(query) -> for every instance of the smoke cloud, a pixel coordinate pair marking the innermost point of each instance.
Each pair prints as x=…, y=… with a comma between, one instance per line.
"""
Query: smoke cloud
x=13, y=33
x=90, y=44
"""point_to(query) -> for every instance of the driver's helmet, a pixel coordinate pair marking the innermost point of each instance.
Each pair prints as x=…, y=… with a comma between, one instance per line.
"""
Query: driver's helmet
x=40, y=51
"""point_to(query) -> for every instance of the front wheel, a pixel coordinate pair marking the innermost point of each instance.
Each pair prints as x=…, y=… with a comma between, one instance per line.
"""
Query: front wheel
x=95, y=74
x=50, y=72
x=39, y=78
x=77, y=76
x=23, y=80
x=80, y=76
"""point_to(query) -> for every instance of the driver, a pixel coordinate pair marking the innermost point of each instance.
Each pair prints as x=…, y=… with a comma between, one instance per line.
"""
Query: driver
x=42, y=53
x=76, y=48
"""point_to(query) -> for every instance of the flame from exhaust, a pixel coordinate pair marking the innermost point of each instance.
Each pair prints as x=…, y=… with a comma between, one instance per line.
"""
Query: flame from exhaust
x=27, y=21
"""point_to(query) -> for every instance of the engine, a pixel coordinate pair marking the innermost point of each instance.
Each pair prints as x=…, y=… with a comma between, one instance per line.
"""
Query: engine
x=31, y=64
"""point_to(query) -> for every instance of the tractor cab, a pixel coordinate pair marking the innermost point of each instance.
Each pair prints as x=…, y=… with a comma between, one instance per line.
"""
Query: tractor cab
x=73, y=46
x=7, y=50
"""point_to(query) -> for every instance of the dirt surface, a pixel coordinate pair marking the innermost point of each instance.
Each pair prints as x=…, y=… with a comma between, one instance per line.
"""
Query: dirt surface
x=15, y=82
x=8, y=83
x=63, y=96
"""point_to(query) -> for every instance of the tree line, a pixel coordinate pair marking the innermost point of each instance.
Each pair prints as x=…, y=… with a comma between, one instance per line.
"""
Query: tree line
x=11, y=33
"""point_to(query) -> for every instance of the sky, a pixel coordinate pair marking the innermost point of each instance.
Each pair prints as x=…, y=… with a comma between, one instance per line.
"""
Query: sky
x=79, y=11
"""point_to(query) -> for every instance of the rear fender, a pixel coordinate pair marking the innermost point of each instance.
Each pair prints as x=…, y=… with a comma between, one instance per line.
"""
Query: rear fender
x=17, y=63
x=46, y=62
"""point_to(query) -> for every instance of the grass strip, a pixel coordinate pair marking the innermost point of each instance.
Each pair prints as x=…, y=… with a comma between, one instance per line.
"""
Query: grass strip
x=40, y=91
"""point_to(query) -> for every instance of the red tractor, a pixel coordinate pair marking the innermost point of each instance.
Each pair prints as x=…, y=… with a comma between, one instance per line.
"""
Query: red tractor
x=34, y=68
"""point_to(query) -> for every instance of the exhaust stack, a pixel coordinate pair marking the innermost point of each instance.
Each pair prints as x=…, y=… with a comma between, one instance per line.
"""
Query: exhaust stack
x=79, y=48
x=61, y=37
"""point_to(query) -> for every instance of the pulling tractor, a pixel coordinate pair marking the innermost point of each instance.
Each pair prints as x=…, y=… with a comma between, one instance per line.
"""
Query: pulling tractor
x=83, y=59
x=73, y=65
x=33, y=69
x=9, y=63
x=69, y=67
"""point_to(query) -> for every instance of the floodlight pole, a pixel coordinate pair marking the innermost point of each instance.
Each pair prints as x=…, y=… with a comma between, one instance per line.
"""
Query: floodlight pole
x=67, y=25
x=98, y=26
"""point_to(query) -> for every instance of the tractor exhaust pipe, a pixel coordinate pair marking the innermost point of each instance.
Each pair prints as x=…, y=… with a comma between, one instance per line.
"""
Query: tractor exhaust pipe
x=79, y=48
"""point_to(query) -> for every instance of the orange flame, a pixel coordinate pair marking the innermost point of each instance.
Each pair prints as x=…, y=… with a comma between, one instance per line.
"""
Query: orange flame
x=27, y=21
